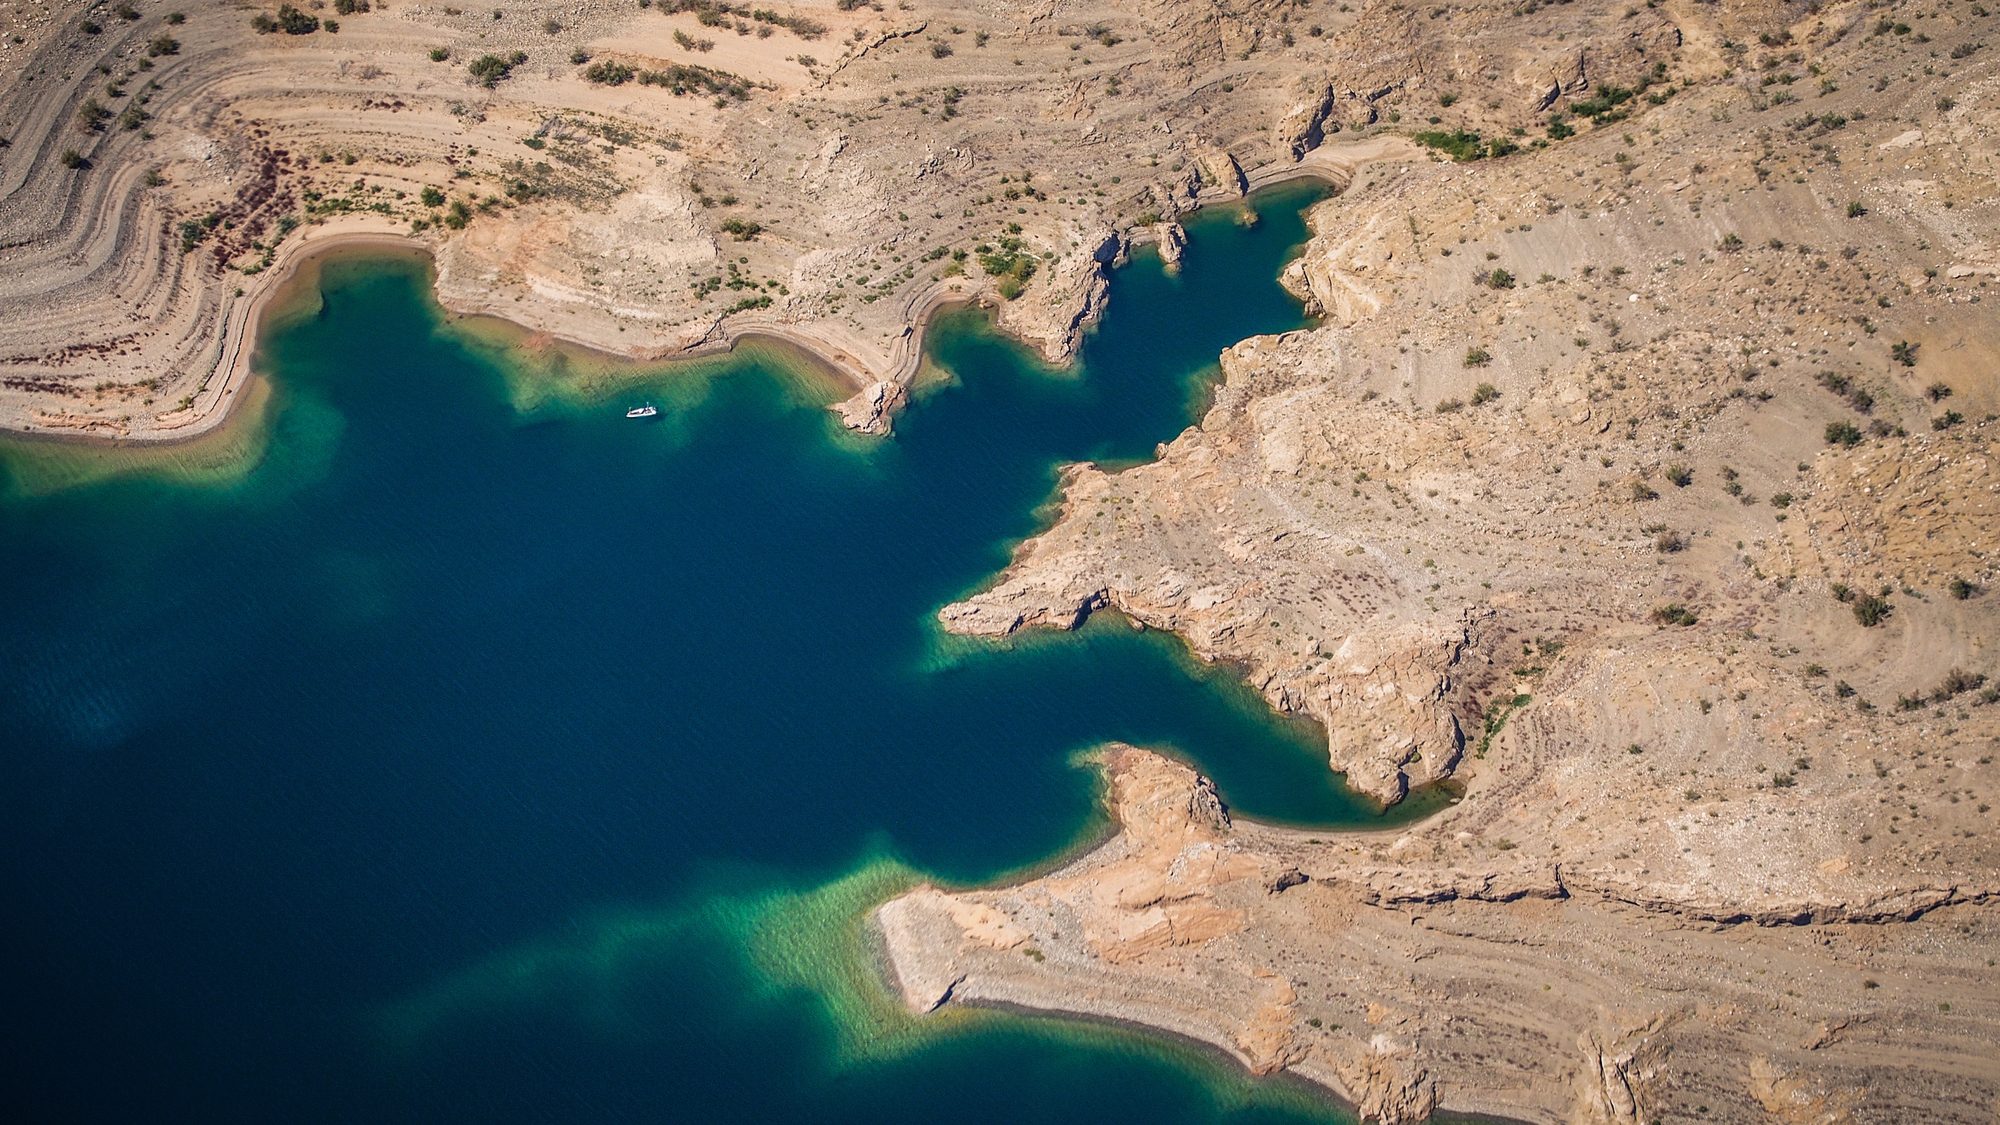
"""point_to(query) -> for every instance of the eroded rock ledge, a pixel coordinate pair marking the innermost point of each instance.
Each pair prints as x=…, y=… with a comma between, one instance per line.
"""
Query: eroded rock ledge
x=1407, y=986
x=1645, y=485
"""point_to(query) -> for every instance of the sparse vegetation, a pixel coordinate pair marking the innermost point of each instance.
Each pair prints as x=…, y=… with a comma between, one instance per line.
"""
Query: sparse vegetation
x=1010, y=261
x=289, y=20
x=1871, y=609
x=1673, y=613
x=607, y=72
x=491, y=70
x=1957, y=682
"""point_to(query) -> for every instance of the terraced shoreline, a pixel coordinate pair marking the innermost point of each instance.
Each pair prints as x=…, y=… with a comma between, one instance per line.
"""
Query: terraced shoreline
x=1639, y=475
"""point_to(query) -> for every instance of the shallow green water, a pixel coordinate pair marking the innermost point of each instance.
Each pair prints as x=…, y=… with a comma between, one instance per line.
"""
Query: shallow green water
x=460, y=750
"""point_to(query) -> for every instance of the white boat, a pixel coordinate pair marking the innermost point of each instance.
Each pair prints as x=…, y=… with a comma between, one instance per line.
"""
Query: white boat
x=646, y=411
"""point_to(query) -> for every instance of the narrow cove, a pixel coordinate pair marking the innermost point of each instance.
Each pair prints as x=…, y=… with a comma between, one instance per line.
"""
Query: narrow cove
x=469, y=752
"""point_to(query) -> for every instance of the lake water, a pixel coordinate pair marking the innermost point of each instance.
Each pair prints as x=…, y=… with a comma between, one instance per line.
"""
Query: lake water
x=440, y=745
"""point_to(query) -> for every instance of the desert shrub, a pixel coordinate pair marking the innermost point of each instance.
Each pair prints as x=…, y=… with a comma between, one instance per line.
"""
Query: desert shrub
x=1673, y=613
x=1904, y=352
x=1459, y=144
x=1680, y=475
x=1871, y=609
x=1962, y=589
x=350, y=7
x=1958, y=681
x=608, y=72
x=431, y=197
x=1478, y=357
x=1484, y=393
x=742, y=230
x=490, y=70
x=1842, y=434
x=289, y=20
x=440, y=54
x=1450, y=406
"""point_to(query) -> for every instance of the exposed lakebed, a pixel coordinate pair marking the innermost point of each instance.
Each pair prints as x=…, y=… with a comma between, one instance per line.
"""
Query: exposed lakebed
x=461, y=750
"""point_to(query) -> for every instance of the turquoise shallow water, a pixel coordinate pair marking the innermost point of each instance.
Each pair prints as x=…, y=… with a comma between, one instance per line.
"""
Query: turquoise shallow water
x=464, y=751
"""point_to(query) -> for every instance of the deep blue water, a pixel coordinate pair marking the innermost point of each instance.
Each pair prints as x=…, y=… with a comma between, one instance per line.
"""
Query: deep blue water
x=465, y=751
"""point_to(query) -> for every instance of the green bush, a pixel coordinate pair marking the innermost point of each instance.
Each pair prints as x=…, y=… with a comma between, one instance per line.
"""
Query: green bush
x=1459, y=144
x=291, y=21
x=1842, y=434
x=606, y=72
x=491, y=70
x=1871, y=609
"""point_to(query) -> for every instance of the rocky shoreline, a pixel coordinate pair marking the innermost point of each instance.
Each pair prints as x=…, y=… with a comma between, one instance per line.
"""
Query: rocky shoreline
x=1640, y=476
